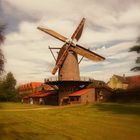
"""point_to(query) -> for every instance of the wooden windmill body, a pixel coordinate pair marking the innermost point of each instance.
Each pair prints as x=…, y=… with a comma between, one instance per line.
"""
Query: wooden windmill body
x=70, y=68
x=67, y=60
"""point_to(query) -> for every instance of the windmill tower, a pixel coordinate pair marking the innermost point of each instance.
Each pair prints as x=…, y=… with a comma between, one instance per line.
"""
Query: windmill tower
x=67, y=61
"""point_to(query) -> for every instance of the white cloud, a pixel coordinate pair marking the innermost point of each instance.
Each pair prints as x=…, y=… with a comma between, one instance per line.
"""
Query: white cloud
x=26, y=48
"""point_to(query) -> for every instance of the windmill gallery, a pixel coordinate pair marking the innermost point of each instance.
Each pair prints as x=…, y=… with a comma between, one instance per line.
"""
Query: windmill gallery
x=69, y=87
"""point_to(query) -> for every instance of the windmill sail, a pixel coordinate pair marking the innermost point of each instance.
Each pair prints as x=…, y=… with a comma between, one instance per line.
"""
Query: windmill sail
x=78, y=32
x=87, y=53
x=53, y=33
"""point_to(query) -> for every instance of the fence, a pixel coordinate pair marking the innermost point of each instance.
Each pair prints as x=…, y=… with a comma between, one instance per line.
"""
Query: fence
x=52, y=79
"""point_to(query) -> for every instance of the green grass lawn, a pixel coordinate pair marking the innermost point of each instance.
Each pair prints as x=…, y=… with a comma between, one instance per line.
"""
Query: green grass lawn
x=106, y=121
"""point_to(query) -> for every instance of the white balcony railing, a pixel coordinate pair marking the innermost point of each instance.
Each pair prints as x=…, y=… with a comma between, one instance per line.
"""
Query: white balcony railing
x=82, y=78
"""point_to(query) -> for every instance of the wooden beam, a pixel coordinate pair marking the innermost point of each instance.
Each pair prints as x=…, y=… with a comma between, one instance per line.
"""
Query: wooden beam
x=61, y=60
x=81, y=59
x=56, y=48
x=52, y=53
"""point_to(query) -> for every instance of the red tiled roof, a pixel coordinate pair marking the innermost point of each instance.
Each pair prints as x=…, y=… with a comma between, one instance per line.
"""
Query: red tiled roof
x=39, y=94
x=29, y=86
x=81, y=92
x=35, y=84
x=134, y=81
x=47, y=87
x=26, y=97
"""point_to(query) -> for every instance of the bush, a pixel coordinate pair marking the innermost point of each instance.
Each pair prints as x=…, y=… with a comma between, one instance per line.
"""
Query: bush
x=8, y=91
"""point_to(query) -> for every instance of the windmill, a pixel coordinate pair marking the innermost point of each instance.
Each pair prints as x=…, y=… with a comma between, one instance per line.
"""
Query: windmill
x=67, y=63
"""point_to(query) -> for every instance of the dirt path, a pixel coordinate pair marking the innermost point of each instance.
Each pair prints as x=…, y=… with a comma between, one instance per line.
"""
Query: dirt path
x=39, y=108
x=27, y=109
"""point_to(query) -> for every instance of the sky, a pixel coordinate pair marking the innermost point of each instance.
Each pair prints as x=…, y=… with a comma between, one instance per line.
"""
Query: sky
x=111, y=28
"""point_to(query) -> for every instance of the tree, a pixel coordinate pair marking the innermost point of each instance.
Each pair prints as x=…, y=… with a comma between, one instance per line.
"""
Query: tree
x=137, y=49
x=7, y=88
x=2, y=27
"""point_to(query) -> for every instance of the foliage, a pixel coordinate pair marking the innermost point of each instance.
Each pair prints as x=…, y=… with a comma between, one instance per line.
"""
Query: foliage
x=2, y=27
x=91, y=85
x=136, y=68
x=8, y=91
x=137, y=49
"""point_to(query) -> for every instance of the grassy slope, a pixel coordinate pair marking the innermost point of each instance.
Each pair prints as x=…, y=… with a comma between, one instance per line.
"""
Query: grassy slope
x=86, y=122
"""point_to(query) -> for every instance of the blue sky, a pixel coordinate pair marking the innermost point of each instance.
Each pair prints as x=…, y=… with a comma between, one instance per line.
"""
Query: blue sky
x=112, y=27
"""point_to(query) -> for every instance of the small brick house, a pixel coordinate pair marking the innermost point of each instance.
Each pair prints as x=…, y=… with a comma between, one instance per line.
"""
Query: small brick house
x=83, y=96
x=90, y=95
x=49, y=98
x=42, y=94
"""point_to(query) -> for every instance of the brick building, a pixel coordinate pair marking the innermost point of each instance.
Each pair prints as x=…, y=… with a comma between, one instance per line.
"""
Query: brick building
x=123, y=82
x=38, y=93
x=90, y=95
x=83, y=96
x=48, y=98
